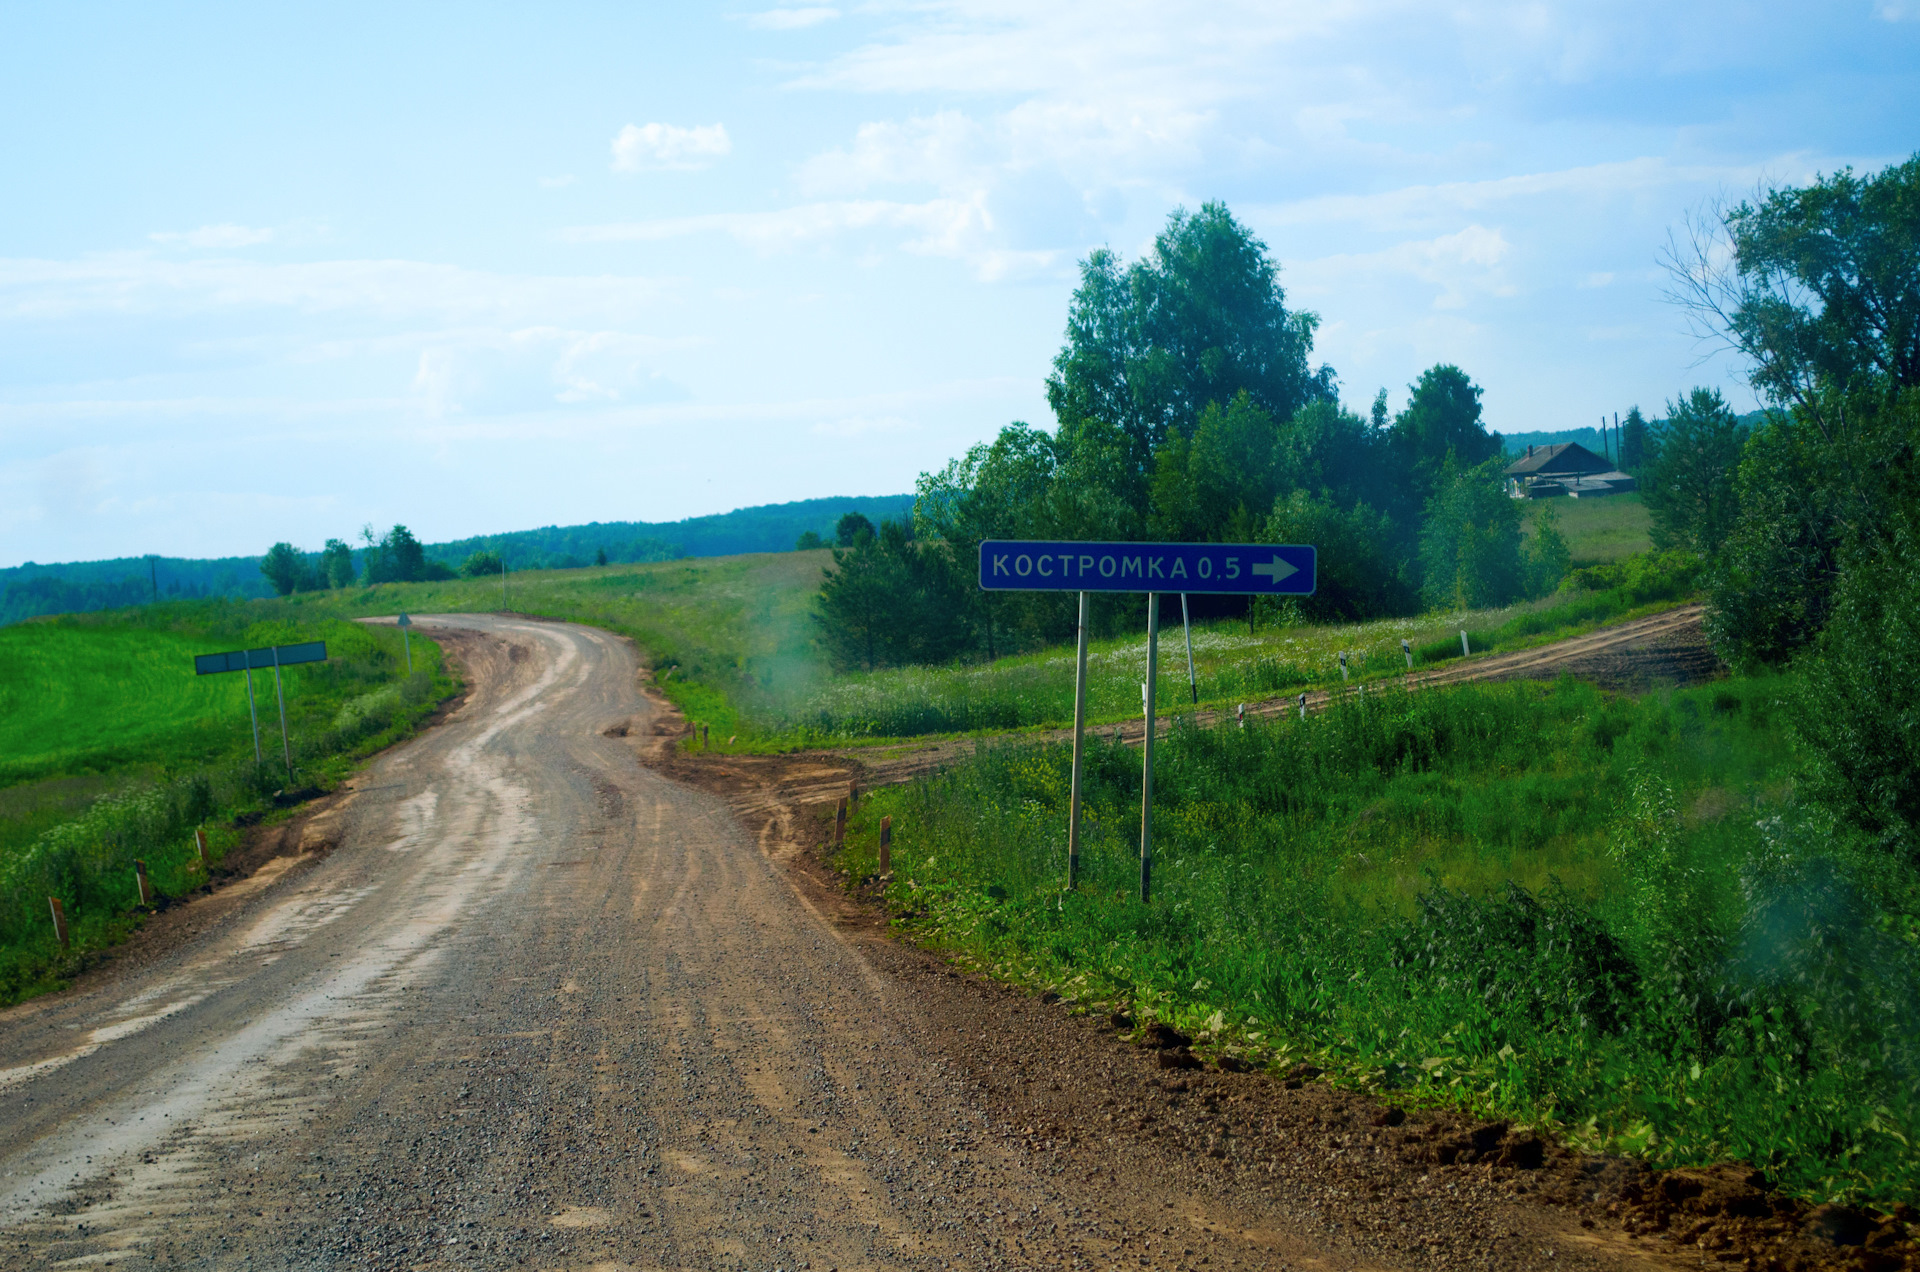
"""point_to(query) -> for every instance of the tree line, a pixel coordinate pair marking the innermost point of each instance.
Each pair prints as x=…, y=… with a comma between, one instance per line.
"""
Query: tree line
x=1188, y=409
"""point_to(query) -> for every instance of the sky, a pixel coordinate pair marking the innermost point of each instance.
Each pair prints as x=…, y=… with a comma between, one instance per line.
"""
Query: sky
x=277, y=272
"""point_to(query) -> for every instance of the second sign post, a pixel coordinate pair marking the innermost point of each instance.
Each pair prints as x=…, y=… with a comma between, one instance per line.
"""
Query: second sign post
x=1245, y=569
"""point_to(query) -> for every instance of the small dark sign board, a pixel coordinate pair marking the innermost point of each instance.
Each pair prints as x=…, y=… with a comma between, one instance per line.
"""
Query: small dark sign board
x=271, y=656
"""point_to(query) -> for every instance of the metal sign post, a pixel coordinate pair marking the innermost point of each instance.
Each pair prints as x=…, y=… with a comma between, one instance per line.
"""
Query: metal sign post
x=1079, y=744
x=276, y=657
x=403, y=622
x=1186, y=625
x=1242, y=569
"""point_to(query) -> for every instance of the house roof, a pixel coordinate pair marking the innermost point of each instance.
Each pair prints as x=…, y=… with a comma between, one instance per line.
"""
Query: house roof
x=1561, y=459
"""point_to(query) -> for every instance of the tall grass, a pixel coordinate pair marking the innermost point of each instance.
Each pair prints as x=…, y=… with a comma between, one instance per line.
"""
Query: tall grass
x=1601, y=914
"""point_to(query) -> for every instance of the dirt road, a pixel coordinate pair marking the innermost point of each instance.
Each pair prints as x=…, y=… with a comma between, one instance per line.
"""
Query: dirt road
x=526, y=1002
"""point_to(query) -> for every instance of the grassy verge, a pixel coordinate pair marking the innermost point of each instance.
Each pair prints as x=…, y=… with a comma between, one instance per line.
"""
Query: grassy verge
x=1601, y=915
x=117, y=752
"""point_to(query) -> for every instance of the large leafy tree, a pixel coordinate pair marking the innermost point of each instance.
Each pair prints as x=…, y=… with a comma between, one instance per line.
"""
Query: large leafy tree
x=1690, y=483
x=287, y=569
x=1199, y=321
x=1441, y=425
x=1470, y=554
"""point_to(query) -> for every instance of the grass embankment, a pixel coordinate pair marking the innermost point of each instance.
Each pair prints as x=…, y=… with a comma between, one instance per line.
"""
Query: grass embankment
x=1600, y=530
x=112, y=750
x=1595, y=913
x=1230, y=664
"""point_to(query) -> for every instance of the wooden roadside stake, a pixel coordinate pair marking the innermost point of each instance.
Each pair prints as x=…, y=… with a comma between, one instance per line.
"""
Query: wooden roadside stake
x=140, y=877
x=703, y=737
x=886, y=847
x=853, y=793
x=840, y=824
x=59, y=920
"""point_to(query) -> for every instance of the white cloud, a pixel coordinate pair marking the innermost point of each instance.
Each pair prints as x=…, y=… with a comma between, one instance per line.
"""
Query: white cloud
x=214, y=236
x=538, y=368
x=959, y=229
x=142, y=283
x=1459, y=266
x=792, y=19
x=638, y=148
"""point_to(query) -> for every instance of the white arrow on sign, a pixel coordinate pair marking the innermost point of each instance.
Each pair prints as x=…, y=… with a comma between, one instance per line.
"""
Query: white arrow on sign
x=1276, y=570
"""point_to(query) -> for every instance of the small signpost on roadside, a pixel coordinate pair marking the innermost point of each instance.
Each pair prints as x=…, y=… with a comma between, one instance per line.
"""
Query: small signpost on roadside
x=276, y=657
x=1239, y=569
x=403, y=622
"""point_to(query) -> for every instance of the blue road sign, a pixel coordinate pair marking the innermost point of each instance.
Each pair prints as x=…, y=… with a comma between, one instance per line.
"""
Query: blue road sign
x=1241, y=569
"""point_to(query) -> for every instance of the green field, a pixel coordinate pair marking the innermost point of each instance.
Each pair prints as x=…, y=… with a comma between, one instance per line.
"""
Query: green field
x=112, y=749
x=1598, y=914
x=1598, y=530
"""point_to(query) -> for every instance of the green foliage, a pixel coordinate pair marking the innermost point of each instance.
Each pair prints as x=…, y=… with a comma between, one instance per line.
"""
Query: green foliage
x=1860, y=713
x=1635, y=441
x=116, y=696
x=336, y=564
x=1360, y=573
x=1826, y=287
x=1441, y=425
x=852, y=530
x=1547, y=558
x=481, y=564
x=1470, y=543
x=809, y=542
x=1199, y=321
x=1689, y=484
x=286, y=567
x=1483, y=896
x=890, y=600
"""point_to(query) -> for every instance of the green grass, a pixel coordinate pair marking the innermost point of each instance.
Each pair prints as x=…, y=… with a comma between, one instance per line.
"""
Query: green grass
x=1597, y=914
x=1598, y=530
x=112, y=750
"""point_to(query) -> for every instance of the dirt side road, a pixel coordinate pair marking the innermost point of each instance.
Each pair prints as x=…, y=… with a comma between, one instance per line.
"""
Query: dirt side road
x=544, y=1007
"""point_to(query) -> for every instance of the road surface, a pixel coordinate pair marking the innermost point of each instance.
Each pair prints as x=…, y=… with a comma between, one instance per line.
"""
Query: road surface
x=540, y=1006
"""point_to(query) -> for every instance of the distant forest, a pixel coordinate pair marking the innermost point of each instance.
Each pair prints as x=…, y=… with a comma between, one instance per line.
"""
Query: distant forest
x=30, y=589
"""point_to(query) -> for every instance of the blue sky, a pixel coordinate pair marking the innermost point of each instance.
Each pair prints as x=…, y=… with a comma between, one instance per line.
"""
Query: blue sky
x=272, y=274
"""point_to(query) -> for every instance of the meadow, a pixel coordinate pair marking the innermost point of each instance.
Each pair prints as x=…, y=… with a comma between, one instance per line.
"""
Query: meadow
x=112, y=749
x=1596, y=914
x=1600, y=530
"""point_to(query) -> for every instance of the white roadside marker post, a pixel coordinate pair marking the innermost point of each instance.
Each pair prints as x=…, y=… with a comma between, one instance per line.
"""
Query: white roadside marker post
x=1146, y=751
x=1303, y=704
x=1464, y=651
x=140, y=877
x=1343, y=666
x=59, y=920
x=200, y=846
x=403, y=622
x=1407, y=648
x=1079, y=746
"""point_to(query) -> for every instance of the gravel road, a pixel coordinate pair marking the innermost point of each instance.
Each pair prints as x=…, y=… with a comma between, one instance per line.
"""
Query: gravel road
x=518, y=1000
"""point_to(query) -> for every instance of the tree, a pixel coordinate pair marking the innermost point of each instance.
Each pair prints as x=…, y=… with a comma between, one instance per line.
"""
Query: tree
x=1197, y=322
x=1470, y=544
x=851, y=529
x=1818, y=286
x=1690, y=483
x=1547, y=559
x=1635, y=442
x=1359, y=573
x=809, y=541
x=599, y=556
x=888, y=600
x=481, y=564
x=397, y=557
x=336, y=564
x=1442, y=419
x=286, y=569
